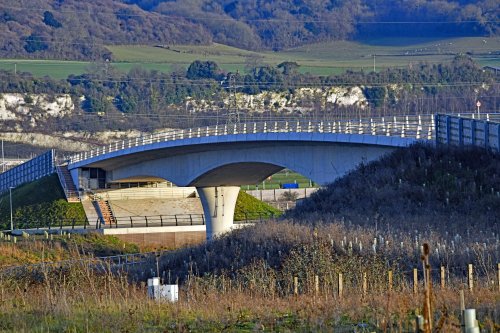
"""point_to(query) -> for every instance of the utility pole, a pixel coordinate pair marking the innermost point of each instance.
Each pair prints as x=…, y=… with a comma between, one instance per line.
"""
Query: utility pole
x=3, y=159
x=233, y=112
x=374, y=67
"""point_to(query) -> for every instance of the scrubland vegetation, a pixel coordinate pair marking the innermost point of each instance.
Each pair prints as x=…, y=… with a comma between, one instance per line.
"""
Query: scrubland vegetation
x=284, y=275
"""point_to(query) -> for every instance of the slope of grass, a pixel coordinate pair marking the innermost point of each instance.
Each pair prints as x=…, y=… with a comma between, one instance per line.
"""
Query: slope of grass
x=40, y=201
x=421, y=182
x=249, y=208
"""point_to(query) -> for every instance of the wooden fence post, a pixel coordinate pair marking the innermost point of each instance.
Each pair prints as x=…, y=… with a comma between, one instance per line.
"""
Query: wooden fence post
x=295, y=285
x=415, y=281
x=443, y=277
x=470, y=277
x=389, y=280
x=365, y=283
x=340, y=285
x=316, y=285
x=498, y=276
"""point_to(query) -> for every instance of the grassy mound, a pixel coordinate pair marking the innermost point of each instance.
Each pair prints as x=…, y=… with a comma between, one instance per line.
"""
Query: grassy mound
x=422, y=185
x=249, y=207
x=38, y=203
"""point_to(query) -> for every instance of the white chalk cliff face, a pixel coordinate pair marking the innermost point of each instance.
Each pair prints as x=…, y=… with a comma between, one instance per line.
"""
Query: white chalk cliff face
x=35, y=110
x=34, y=107
x=303, y=100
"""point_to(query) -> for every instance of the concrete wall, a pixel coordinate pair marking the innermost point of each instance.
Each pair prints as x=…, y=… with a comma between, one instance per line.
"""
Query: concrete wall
x=172, y=240
x=166, y=237
x=275, y=194
x=153, y=207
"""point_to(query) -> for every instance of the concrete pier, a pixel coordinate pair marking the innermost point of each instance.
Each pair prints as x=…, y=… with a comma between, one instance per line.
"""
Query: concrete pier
x=218, y=204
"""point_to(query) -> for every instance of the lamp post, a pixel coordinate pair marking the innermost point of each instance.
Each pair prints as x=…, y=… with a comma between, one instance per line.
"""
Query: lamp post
x=11, y=220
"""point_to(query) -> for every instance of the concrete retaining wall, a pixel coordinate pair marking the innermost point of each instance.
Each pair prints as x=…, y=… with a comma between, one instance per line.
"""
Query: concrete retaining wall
x=275, y=194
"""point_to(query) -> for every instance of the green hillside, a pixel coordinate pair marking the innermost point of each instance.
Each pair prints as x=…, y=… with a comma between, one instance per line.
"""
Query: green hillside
x=38, y=203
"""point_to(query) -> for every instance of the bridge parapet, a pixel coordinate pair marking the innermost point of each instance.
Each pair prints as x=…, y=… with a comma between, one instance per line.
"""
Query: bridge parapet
x=38, y=167
x=469, y=130
x=417, y=127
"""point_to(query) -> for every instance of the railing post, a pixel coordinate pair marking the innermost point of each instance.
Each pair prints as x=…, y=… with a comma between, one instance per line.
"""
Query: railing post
x=460, y=132
x=473, y=132
x=486, y=134
x=176, y=222
x=131, y=222
x=60, y=224
x=73, y=224
x=146, y=221
x=161, y=220
x=85, y=223
x=191, y=218
x=448, y=130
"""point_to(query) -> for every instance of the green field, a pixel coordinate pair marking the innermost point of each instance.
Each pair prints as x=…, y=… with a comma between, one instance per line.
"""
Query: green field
x=277, y=180
x=318, y=59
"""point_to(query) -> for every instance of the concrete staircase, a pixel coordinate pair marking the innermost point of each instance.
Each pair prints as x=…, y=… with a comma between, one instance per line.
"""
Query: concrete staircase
x=106, y=212
x=70, y=190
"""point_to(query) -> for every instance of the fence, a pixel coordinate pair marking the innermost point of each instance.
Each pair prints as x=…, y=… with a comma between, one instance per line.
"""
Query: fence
x=38, y=167
x=135, y=221
x=460, y=131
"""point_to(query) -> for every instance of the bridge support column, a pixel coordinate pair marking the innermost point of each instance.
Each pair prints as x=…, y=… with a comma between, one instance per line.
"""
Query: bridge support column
x=218, y=205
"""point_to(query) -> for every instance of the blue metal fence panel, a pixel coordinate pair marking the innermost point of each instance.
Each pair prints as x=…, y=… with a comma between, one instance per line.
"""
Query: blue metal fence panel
x=38, y=167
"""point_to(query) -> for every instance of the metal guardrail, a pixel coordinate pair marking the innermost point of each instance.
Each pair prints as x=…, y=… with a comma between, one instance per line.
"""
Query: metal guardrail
x=418, y=127
x=154, y=221
x=134, y=222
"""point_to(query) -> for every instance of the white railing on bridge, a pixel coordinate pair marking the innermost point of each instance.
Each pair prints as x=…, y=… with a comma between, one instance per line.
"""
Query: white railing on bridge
x=417, y=127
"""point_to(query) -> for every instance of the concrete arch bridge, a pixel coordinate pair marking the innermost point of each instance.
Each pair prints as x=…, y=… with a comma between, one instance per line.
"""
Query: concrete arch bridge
x=218, y=159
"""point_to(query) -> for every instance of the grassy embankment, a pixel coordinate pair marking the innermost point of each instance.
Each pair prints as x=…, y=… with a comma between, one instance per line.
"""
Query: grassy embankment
x=38, y=203
x=371, y=221
x=317, y=59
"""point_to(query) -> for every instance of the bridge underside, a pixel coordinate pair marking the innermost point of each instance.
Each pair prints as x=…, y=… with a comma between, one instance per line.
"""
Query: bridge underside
x=218, y=170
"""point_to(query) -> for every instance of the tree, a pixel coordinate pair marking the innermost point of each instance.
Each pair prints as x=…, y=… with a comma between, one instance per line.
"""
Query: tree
x=289, y=67
x=50, y=20
x=203, y=70
x=34, y=43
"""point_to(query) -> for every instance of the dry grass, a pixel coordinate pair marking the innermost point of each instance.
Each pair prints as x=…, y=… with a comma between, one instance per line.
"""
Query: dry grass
x=83, y=299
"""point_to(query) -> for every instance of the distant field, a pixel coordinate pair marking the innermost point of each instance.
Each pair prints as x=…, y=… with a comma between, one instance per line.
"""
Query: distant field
x=277, y=180
x=319, y=59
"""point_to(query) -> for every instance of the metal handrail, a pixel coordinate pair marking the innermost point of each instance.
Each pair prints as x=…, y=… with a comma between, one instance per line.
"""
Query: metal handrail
x=418, y=127
x=137, y=221
x=67, y=192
